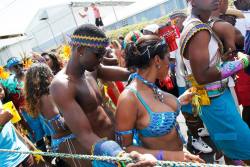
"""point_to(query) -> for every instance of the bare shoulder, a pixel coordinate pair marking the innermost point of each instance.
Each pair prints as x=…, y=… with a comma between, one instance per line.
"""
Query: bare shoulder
x=223, y=28
x=203, y=34
x=127, y=102
x=198, y=40
x=127, y=108
x=127, y=96
x=61, y=87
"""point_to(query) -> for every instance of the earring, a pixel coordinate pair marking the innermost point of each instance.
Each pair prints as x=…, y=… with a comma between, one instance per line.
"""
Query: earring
x=158, y=66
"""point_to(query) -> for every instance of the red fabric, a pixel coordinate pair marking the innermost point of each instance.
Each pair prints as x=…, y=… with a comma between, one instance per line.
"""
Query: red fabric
x=120, y=86
x=242, y=88
x=112, y=95
x=169, y=33
x=168, y=83
x=18, y=100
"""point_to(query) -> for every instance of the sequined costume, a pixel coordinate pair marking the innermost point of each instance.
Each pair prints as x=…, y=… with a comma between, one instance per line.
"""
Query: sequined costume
x=161, y=123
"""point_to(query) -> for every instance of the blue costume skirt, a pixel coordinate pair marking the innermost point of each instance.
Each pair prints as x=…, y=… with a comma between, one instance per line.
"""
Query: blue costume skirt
x=56, y=142
x=228, y=131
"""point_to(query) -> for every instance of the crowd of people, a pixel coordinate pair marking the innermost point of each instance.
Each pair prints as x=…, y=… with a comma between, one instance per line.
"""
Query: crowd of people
x=121, y=98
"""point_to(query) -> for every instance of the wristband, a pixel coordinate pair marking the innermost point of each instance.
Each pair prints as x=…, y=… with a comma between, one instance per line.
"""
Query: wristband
x=245, y=62
x=229, y=68
x=160, y=155
x=107, y=148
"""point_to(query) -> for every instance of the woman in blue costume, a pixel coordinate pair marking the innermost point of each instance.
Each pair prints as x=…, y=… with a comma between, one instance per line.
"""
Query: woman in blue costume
x=144, y=111
x=40, y=105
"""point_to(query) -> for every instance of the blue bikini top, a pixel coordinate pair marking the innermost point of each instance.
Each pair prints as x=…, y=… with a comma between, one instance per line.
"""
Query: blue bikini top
x=160, y=124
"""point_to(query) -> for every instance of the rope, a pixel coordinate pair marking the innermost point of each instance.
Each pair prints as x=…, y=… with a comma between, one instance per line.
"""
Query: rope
x=111, y=159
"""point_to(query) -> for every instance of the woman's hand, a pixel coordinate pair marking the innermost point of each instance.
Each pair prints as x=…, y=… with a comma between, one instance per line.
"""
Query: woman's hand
x=186, y=97
x=188, y=157
x=182, y=156
x=142, y=160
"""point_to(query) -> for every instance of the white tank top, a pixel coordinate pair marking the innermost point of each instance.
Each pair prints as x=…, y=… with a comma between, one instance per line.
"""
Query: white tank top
x=213, y=49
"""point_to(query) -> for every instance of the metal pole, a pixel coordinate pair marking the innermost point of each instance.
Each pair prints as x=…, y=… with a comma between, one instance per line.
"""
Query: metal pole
x=115, y=13
x=52, y=32
x=72, y=12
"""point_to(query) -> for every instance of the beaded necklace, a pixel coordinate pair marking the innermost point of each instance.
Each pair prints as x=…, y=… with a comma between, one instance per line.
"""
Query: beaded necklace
x=157, y=92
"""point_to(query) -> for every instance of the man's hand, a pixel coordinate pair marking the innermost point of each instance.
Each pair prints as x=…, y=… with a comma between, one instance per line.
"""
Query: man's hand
x=143, y=160
x=229, y=55
x=186, y=97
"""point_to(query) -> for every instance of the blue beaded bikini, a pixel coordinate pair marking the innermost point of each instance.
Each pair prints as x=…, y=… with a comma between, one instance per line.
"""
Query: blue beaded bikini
x=161, y=123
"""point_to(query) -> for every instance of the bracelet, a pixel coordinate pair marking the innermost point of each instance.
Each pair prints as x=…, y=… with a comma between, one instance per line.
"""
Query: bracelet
x=160, y=155
x=245, y=62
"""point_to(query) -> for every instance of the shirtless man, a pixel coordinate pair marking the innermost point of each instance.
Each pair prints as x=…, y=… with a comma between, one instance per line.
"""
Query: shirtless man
x=201, y=51
x=76, y=94
x=228, y=34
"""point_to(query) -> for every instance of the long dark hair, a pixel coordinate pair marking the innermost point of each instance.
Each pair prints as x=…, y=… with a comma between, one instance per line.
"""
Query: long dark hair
x=57, y=66
x=37, y=81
